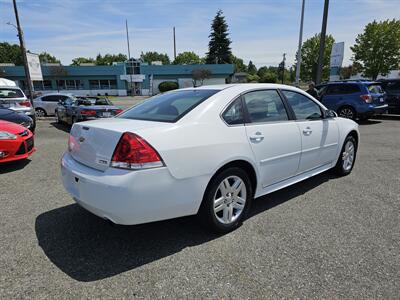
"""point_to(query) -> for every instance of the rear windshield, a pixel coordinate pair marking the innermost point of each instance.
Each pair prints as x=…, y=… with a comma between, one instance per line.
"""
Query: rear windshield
x=11, y=93
x=168, y=107
x=375, y=89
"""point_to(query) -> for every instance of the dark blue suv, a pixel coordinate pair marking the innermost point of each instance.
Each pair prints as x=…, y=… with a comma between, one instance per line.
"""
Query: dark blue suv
x=353, y=99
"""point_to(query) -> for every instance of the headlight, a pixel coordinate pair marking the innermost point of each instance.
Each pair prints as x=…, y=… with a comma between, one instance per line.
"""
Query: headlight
x=4, y=135
x=26, y=124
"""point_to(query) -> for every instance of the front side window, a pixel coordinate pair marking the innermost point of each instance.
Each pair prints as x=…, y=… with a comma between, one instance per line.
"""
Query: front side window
x=168, y=107
x=265, y=106
x=234, y=114
x=303, y=107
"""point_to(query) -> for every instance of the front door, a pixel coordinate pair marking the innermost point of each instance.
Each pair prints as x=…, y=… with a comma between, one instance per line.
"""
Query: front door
x=274, y=139
x=319, y=136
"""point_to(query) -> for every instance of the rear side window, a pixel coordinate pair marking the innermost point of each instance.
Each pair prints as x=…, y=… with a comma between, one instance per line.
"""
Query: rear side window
x=265, y=106
x=234, y=113
x=168, y=107
x=375, y=89
x=11, y=93
x=340, y=89
x=303, y=107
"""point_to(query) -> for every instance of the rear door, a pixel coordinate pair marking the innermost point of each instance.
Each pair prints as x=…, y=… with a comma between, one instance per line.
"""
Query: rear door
x=319, y=136
x=274, y=137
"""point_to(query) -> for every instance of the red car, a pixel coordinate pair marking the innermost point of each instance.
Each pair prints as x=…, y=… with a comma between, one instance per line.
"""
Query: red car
x=16, y=142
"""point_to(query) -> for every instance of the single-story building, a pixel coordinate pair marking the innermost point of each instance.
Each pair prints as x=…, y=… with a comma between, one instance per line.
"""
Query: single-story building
x=119, y=79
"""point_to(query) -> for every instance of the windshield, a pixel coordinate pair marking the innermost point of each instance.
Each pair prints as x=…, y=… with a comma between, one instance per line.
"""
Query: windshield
x=168, y=107
x=11, y=93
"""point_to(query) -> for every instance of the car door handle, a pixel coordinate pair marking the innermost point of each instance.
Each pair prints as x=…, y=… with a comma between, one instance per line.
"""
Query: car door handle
x=257, y=137
x=307, y=131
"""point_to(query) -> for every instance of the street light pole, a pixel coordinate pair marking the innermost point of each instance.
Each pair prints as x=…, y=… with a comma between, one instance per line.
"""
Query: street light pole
x=300, y=44
x=322, y=43
x=23, y=50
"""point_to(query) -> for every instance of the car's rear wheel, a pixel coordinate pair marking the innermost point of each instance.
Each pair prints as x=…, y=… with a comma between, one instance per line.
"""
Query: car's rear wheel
x=40, y=112
x=347, y=156
x=226, y=200
x=58, y=121
x=347, y=112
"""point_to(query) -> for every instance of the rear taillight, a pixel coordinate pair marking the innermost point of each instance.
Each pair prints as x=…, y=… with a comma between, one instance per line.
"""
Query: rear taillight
x=26, y=103
x=118, y=111
x=367, y=98
x=133, y=152
x=88, y=113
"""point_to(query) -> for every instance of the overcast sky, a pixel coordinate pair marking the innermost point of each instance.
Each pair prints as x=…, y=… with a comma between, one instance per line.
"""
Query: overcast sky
x=260, y=30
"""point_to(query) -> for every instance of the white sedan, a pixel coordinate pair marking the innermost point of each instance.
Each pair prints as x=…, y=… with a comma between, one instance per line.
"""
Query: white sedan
x=206, y=151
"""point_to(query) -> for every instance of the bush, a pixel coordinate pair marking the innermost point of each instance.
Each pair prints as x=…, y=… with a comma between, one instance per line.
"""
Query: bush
x=168, y=86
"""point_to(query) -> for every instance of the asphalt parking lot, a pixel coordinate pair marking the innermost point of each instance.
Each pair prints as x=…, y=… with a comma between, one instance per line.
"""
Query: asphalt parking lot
x=326, y=237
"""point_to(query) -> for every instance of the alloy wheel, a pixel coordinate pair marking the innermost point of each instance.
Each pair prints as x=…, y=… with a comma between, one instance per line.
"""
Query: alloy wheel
x=230, y=199
x=40, y=113
x=346, y=113
x=348, y=155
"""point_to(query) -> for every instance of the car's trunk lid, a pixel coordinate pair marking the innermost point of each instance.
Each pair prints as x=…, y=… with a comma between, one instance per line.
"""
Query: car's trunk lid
x=104, y=111
x=93, y=143
x=377, y=94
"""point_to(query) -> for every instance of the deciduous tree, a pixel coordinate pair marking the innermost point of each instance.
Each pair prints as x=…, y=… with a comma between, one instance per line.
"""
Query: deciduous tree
x=377, y=49
x=187, y=58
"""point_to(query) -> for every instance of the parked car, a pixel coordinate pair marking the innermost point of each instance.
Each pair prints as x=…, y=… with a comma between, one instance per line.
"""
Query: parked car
x=13, y=97
x=16, y=142
x=205, y=151
x=15, y=117
x=74, y=110
x=45, y=105
x=392, y=89
x=353, y=100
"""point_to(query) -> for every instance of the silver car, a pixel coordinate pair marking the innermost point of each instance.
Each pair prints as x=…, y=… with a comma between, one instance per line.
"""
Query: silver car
x=45, y=105
x=13, y=97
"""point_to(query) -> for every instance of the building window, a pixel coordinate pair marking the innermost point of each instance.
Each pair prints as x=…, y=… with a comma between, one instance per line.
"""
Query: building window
x=38, y=85
x=94, y=84
x=104, y=84
x=47, y=85
x=61, y=84
x=113, y=84
x=79, y=84
x=70, y=84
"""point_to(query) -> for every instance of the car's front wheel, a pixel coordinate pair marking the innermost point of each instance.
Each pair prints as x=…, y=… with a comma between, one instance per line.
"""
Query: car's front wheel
x=226, y=200
x=347, y=156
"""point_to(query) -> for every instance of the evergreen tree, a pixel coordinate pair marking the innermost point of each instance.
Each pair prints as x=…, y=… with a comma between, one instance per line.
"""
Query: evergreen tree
x=219, y=50
x=251, y=68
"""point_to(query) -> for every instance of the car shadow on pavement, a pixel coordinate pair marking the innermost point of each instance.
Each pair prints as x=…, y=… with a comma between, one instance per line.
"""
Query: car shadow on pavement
x=13, y=166
x=64, y=127
x=88, y=248
x=368, y=122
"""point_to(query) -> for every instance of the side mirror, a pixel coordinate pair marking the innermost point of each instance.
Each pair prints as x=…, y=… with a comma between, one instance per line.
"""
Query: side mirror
x=329, y=114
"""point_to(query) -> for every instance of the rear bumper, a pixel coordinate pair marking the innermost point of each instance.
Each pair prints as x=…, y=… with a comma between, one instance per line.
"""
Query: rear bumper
x=374, y=110
x=131, y=197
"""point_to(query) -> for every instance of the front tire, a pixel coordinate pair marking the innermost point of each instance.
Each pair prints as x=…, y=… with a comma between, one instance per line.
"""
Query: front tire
x=226, y=201
x=347, y=157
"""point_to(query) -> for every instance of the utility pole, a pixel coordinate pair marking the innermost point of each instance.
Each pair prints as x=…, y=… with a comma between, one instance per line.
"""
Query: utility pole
x=300, y=44
x=283, y=66
x=23, y=51
x=322, y=43
x=129, y=58
x=174, y=45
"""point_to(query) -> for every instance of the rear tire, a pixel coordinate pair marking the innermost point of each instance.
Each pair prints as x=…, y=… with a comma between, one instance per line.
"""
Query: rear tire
x=347, y=112
x=226, y=201
x=347, y=157
x=40, y=113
